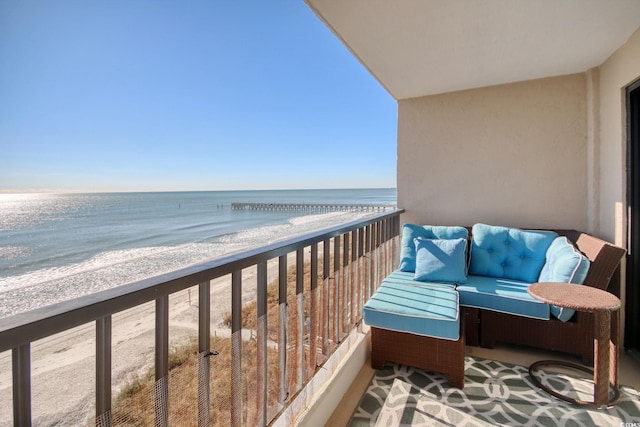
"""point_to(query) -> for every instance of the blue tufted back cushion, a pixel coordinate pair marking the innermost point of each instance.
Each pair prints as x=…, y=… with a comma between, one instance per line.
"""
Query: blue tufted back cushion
x=412, y=231
x=508, y=253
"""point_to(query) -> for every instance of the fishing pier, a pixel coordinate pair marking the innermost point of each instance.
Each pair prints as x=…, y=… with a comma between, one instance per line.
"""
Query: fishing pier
x=308, y=207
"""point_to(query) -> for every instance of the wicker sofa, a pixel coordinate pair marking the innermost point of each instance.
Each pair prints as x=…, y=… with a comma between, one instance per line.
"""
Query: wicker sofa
x=486, y=301
x=575, y=336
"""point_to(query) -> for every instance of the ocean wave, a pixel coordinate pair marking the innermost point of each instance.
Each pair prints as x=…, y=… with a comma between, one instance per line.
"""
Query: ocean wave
x=104, y=271
x=100, y=261
x=319, y=217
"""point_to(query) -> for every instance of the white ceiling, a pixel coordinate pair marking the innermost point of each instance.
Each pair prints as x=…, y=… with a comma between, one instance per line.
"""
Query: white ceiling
x=424, y=47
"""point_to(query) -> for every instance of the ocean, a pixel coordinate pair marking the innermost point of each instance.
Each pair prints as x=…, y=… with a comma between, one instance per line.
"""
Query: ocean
x=56, y=247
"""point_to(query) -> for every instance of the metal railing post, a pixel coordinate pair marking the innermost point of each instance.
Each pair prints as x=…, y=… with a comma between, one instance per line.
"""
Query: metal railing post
x=353, y=279
x=161, y=399
x=103, y=371
x=362, y=283
x=21, y=361
x=313, y=310
x=204, y=353
x=236, y=348
x=346, y=294
x=336, y=291
x=326, y=260
x=282, y=344
x=301, y=320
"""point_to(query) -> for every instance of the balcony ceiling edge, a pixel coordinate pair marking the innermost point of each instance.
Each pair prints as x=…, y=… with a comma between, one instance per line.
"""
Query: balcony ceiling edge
x=424, y=47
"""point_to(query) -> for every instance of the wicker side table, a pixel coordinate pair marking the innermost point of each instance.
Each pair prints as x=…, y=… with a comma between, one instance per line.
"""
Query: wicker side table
x=605, y=307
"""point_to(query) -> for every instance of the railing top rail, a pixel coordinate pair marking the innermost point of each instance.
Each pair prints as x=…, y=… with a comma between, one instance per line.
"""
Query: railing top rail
x=27, y=327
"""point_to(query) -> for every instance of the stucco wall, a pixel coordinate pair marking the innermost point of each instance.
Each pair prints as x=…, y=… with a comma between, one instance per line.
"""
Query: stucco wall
x=618, y=72
x=513, y=155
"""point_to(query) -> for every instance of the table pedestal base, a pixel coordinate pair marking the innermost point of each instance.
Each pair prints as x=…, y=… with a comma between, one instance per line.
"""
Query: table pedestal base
x=612, y=401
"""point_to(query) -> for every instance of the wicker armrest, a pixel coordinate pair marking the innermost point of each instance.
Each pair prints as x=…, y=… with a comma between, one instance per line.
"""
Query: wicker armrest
x=605, y=259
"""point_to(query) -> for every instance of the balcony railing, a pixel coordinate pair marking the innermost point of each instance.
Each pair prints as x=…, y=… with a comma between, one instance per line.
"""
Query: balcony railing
x=294, y=324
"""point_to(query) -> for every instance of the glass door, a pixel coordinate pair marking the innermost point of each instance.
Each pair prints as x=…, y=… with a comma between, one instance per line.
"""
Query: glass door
x=632, y=306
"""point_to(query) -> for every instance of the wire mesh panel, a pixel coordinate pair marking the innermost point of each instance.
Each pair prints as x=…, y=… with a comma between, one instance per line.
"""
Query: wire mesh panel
x=204, y=388
x=104, y=419
x=183, y=381
x=221, y=380
x=134, y=405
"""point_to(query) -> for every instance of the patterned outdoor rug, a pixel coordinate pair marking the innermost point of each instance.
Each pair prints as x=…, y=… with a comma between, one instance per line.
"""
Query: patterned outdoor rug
x=495, y=393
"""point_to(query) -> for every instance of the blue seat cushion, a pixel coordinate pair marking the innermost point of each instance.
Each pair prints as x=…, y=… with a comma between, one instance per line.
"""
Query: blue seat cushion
x=508, y=253
x=406, y=278
x=567, y=265
x=411, y=231
x=441, y=260
x=503, y=295
x=428, y=311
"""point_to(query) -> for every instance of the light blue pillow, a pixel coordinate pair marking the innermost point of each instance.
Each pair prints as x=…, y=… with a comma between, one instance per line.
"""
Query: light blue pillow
x=441, y=260
x=412, y=231
x=564, y=263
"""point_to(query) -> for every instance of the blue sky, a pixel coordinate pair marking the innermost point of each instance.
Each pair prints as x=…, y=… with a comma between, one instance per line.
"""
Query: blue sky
x=185, y=95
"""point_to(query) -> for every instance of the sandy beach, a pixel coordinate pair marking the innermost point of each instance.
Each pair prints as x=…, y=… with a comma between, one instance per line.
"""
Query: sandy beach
x=63, y=366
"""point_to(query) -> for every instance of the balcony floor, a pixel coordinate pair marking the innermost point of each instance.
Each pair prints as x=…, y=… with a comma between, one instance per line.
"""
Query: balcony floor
x=629, y=373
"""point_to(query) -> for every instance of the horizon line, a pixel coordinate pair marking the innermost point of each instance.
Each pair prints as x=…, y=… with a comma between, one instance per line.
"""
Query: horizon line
x=85, y=191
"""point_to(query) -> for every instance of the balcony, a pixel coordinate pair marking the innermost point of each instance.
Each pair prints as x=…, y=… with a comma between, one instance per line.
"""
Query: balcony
x=295, y=350
x=263, y=332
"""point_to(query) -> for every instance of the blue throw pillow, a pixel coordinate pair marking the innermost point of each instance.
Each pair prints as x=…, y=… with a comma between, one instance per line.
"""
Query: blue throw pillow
x=411, y=231
x=564, y=264
x=441, y=260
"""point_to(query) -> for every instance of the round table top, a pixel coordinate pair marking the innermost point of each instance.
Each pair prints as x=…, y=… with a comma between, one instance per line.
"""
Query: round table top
x=576, y=297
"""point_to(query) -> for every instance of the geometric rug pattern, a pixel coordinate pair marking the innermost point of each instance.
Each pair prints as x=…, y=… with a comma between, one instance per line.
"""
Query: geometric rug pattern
x=495, y=394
